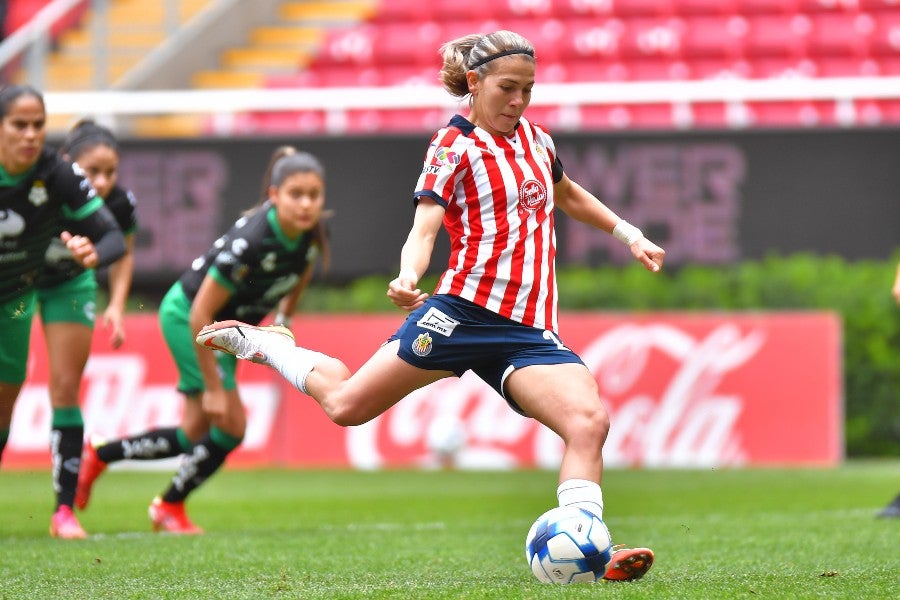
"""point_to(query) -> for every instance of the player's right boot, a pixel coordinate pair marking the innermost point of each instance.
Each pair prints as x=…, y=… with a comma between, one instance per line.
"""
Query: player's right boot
x=171, y=517
x=65, y=526
x=248, y=342
x=628, y=564
x=91, y=468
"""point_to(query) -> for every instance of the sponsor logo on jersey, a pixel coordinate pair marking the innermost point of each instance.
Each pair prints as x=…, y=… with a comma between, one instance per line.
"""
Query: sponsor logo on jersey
x=532, y=195
x=421, y=346
x=438, y=322
x=445, y=157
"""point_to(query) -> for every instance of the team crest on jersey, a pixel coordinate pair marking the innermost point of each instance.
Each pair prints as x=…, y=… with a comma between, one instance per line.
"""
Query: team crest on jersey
x=38, y=194
x=532, y=195
x=421, y=346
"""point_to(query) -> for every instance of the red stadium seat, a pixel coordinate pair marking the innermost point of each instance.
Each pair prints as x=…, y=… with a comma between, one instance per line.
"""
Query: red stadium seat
x=766, y=7
x=776, y=35
x=592, y=38
x=644, y=8
x=840, y=34
x=573, y=9
x=652, y=37
x=885, y=37
x=689, y=8
x=715, y=68
x=713, y=37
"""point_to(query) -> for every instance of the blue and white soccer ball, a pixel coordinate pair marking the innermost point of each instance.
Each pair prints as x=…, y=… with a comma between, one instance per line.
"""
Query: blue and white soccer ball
x=568, y=544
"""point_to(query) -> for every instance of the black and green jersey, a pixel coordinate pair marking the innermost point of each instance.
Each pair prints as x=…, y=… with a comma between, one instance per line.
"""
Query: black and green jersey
x=33, y=208
x=254, y=260
x=61, y=267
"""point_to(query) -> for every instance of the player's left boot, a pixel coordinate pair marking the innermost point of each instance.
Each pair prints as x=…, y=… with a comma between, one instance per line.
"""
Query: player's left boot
x=65, y=526
x=628, y=564
x=248, y=342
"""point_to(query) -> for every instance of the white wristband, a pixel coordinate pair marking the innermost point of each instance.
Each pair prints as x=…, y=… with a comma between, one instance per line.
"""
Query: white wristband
x=626, y=233
x=282, y=319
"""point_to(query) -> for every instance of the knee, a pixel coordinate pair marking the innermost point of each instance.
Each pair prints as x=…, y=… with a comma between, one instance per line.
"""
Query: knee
x=343, y=413
x=593, y=423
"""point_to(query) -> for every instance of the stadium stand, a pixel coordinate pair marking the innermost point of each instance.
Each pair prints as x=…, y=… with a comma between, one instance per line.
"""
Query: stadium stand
x=362, y=43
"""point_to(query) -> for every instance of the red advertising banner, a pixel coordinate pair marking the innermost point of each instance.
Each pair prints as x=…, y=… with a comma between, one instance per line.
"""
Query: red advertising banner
x=684, y=390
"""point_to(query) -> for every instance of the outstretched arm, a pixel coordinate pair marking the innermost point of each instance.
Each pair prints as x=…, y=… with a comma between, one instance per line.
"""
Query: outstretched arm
x=415, y=255
x=583, y=206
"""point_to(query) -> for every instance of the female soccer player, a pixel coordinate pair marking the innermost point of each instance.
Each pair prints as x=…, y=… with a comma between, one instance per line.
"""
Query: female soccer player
x=493, y=179
x=40, y=193
x=254, y=268
x=67, y=296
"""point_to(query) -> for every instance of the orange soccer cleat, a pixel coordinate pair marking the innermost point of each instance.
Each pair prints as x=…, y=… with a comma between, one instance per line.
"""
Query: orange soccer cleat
x=628, y=564
x=171, y=517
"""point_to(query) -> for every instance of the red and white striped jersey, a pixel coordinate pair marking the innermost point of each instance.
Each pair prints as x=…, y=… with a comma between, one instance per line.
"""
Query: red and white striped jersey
x=498, y=195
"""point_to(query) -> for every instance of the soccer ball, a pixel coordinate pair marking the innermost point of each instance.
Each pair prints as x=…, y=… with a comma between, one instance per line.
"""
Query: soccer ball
x=568, y=544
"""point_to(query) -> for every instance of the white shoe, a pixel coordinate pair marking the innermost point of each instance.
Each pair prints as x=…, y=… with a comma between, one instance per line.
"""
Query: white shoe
x=245, y=341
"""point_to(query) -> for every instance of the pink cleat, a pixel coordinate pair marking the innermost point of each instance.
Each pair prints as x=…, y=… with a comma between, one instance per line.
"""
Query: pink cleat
x=628, y=564
x=65, y=526
x=171, y=517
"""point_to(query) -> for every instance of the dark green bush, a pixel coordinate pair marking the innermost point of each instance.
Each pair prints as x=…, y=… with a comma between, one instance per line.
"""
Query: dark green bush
x=860, y=292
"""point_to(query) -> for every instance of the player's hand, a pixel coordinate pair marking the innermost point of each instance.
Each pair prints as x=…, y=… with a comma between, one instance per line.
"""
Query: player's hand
x=404, y=294
x=114, y=321
x=648, y=253
x=82, y=249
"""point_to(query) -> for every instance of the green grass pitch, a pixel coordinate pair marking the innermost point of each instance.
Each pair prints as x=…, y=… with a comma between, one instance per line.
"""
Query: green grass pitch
x=718, y=533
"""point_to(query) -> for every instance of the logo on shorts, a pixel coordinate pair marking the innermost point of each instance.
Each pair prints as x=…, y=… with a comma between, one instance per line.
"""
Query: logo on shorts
x=438, y=322
x=532, y=195
x=421, y=346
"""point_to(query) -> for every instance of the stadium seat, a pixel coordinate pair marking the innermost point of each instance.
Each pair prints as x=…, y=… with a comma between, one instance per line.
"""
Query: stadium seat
x=840, y=34
x=574, y=9
x=719, y=37
x=591, y=38
x=651, y=37
x=885, y=37
x=643, y=8
x=688, y=8
x=766, y=7
x=776, y=35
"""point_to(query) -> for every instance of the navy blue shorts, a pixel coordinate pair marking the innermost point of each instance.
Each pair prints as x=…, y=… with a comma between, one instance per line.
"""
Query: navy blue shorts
x=449, y=333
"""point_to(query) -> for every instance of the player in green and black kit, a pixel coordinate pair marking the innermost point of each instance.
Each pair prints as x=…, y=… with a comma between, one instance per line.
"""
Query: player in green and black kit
x=39, y=191
x=67, y=297
x=261, y=264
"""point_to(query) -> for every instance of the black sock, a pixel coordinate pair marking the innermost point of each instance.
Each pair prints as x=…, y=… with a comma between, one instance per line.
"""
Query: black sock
x=4, y=436
x=66, y=439
x=150, y=445
x=205, y=459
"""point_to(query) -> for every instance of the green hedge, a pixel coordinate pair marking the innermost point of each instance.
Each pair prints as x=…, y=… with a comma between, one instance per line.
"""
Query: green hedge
x=859, y=291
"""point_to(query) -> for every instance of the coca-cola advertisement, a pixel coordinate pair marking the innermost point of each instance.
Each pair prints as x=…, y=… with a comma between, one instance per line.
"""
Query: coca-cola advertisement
x=686, y=390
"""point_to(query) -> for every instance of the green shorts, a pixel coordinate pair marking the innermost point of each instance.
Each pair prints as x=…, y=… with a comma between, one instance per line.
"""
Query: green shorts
x=15, y=323
x=73, y=301
x=174, y=312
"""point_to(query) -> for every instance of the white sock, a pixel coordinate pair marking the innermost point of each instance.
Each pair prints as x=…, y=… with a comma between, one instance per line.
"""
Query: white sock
x=295, y=364
x=582, y=493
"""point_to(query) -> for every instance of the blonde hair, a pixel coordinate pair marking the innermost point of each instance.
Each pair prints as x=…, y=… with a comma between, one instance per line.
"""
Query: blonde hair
x=475, y=52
